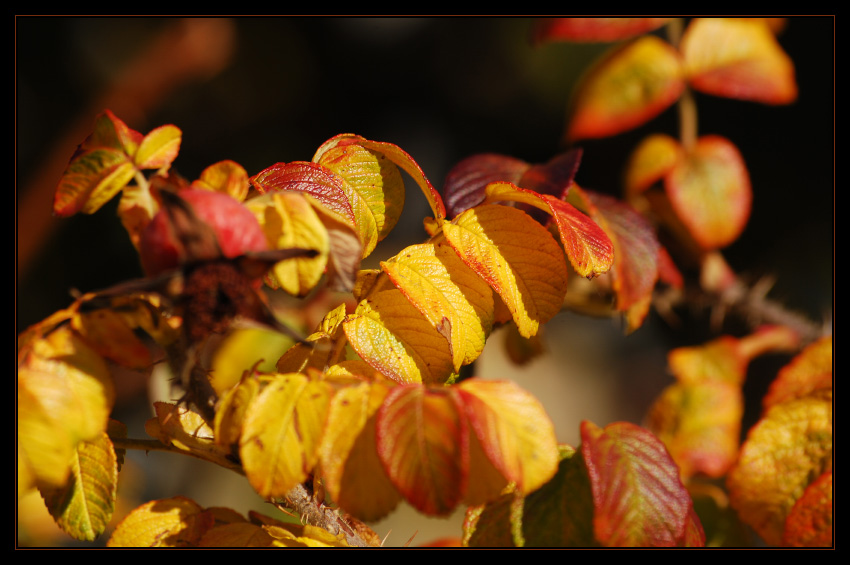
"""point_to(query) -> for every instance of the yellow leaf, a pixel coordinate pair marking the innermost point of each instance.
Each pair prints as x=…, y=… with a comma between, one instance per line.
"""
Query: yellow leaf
x=225, y=176
x=91, y=180
x=515, y=432
x=242, y=534
x=110, y=335
x=650, y=162
x=289, y=221
x=158, y=148
x=172, y=522
x=352, y=473
x=84, y=505
x=809, y=371
x=738, y=58
x=281, y=433
x=457, y=302
x=789, y=447
x=242, y=349
x=630, y=85
x=517, y=257
x=230, y=413
x=390, y=334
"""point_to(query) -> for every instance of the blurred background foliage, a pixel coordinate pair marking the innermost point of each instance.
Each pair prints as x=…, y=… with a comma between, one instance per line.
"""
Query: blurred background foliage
x=266, y=90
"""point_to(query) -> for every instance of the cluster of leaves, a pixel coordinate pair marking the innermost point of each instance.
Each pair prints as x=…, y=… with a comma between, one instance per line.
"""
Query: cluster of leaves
x=371, y=407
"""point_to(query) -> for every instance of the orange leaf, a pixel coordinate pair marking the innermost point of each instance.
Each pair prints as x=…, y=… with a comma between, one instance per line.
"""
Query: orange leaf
x=158, y=148
x=809, y=371
x=593, y=29
x=738, y=58
x=638, y=497
x=111, y=132
x=783, y=452
x=225, y=176
x=650, y=162
x=91, y=179
x=423, y=445
x=517, y=257
x=172, y=522
x=465, y=183
x=629, y=86
x=809, y=523
x=710, y=192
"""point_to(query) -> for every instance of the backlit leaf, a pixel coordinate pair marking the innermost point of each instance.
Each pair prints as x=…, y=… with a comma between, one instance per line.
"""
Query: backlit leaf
x=109, y=334
x=225, y=176
x=738, y=58
x=588, y=247
x=457, y=302
x=784, y=451
x=593, y=29
x=517, y=257
x=651, y=161
x=234, y=535
x=230, y=412
x=84, y=505
x=281, y=433
x=158, y=148
x=515, y=432
x=374, y=177
x=809, y=523
x=390, y=334
x=423, y=445
x=638, y=497
x=629, y=86
x=289, y=221
x=91, y=180
x=171, y=522
x=710, y=192
x=243, y=349
x=111, y=132
x=352, y=472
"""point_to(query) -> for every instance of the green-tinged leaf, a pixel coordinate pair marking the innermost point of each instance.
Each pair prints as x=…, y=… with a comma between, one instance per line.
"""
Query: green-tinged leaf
x=457, y=302
x=738, y=58
x=709, y=190
x=92, y=179
x=84, y=506
x=158, y=148
x=171, y=522
x=351, y=470
x=466, y=181
x=225, y=176
x=789, y=447
x=517, y=257
x=65, y=394
x=809, y=524
x=281, y=433
x=809, y=371
x=636, y=249
x=111, y=132
x=558, y=514
x=515, y=432
x=390, y=334
x=374, y=177
x=289, y=221
x=243, y=349
x=593, y=29
x=422, y=442
x=638, y=497
x=629, y=86
x=650, y=162
x=588, y=247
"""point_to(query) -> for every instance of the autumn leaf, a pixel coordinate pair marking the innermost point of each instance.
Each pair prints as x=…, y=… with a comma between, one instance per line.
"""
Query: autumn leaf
x=465, y=182
x=225, y=176
x=709, y=189
x=390, y=334
x=650, y=162
x=738, y=58
x=281, y=433
x=809, y=523
x=172, y=522
x=630, y=85
x=517, y=257
x=592, y=29
x=809, y=371
x=457, y=302
x=638, y=497
x=158, y=148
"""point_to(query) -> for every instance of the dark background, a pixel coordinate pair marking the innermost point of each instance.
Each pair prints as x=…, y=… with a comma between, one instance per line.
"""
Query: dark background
x=441, y=89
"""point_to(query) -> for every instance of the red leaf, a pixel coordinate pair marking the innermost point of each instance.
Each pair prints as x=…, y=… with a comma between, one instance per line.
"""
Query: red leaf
x=592, y=29
x=465, y=183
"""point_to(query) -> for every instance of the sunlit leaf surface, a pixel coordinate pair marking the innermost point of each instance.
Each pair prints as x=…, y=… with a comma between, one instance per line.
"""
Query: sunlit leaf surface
x=172, y=522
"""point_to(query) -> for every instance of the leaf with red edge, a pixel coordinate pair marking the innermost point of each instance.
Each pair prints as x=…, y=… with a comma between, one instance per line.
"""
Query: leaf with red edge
x=587, y=245
x=738, y=58
x=636, y=249
x=553, y=177
x=110, y=132
x=423, y=445
x=651, y=161
x=710, y=192
x=629, y=86
x=592, y=29
x=91, y=179
x=225, y=176
x=638, y=497
x=809, y=524
x=465, y=183
x=158, y=148
x=809, y=371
